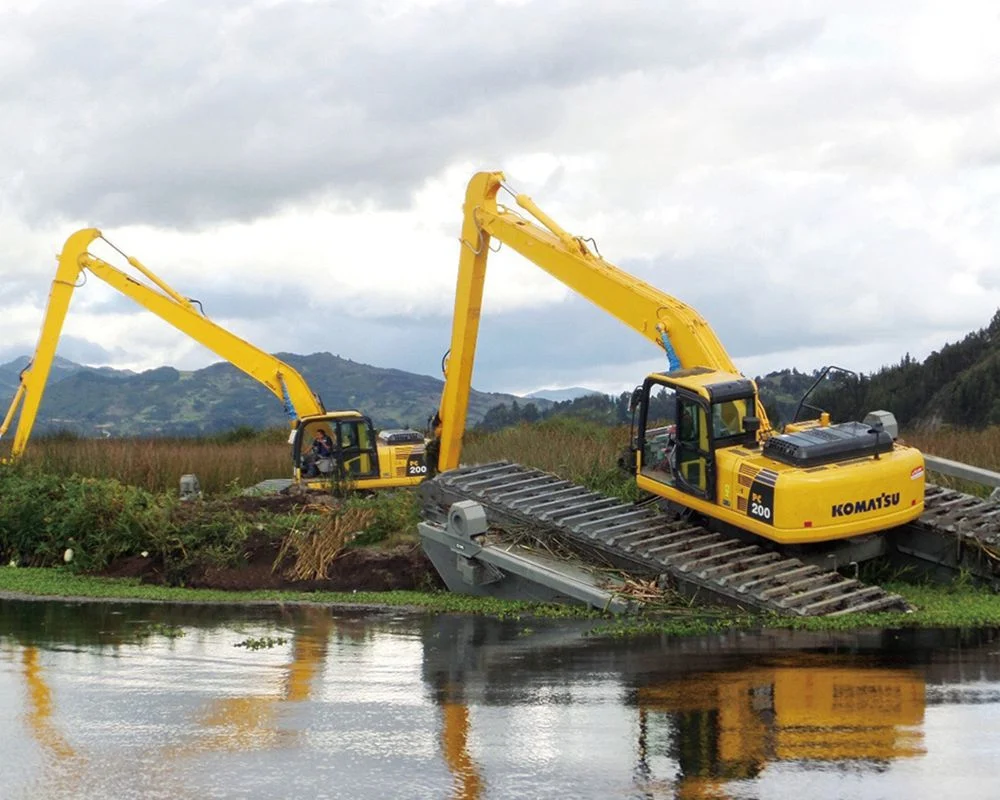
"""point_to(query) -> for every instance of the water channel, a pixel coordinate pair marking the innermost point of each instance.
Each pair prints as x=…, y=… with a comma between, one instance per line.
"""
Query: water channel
x=109, y=700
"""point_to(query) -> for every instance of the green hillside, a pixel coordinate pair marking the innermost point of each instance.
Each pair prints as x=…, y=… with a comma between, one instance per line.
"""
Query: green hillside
x=957, y=385
x=217, y=398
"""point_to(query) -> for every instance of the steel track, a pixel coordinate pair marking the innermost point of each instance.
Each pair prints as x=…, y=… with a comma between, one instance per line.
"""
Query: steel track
x=711, y=566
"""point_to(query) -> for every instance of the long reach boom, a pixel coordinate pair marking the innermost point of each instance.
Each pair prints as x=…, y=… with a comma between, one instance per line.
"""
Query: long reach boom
x=283, y=380
x=669, y=323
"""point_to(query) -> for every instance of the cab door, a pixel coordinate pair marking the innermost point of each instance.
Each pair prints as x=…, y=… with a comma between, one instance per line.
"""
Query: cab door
x=356, y=453
x=673, y=442
x=693, y=461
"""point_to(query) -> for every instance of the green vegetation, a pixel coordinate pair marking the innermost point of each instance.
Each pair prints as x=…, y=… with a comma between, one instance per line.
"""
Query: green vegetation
x=955, y=386
x=262, y=642
x=46, y=518
x=77, y=504
x=59, y=582
x=89, y=522
x=958, y=606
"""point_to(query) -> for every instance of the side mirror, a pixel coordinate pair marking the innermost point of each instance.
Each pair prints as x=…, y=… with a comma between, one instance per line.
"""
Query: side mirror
x=635, y=399
x=751, y=425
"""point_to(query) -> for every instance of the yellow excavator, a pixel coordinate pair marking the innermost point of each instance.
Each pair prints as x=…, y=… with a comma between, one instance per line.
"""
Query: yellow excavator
x=352, y=453
x=720, y=457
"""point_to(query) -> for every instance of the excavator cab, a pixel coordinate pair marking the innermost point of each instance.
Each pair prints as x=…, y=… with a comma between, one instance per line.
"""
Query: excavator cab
x=352, y=452
x=356, y=455
x=683, y=418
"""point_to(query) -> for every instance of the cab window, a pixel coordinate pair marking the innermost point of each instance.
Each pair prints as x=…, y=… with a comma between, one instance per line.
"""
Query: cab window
x=727, y=418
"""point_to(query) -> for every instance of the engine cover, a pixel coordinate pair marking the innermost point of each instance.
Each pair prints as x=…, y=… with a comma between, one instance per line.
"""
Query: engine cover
x=828, y=444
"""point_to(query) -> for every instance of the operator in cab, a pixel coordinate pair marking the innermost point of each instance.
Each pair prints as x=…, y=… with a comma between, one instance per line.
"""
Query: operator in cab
x=322, y=448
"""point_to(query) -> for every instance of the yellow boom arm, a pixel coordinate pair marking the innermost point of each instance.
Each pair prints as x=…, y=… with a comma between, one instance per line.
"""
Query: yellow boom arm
x=284, y=381
x=671, y=324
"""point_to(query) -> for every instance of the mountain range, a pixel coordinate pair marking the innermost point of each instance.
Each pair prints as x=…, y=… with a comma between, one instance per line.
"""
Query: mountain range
x=957, y=385
x=165, y=401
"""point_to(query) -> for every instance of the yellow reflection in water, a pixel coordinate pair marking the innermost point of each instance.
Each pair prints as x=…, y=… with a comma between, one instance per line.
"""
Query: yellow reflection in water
x=730, y=725
x=64, y=763
x=39, y=707
x=454, y=743
x=246, y=723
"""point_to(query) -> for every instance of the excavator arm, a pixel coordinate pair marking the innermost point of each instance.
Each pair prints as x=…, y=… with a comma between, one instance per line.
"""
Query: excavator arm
x=720, y=459
x=667, y=322
x=284, y=381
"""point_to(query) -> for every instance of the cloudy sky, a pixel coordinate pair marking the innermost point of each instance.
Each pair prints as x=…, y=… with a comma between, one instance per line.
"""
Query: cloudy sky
x=819, y=179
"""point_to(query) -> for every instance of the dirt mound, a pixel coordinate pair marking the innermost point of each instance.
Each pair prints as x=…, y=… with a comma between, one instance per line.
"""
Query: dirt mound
x=363, y=569
x=144, y=567
x=277, y=503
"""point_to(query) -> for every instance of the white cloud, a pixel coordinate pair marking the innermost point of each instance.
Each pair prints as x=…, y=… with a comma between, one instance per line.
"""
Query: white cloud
x=818, y=180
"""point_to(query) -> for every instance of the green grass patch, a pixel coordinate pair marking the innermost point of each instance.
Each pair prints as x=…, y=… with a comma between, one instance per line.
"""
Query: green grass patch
x=958, y=605
x=955, y=606
x=58, y=582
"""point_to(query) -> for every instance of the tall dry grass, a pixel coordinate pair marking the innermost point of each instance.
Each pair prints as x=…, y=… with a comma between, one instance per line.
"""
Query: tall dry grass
x=584, y=452
x=157, y=464
x=555, y=446
x=577, y=450
x=980, y=448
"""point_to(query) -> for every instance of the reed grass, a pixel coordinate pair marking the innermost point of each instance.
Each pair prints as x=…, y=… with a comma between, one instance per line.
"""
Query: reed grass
x=157, y=464
x=320, y=538
x=981, y=448
x=575, y=449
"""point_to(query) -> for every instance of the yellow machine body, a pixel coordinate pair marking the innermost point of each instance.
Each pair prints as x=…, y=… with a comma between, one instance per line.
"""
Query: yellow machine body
x=361, y=458
x=814, y=483
x=725, y=474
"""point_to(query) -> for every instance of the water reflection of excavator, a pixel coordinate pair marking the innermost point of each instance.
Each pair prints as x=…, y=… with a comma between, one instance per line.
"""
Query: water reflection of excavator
x=39, y=707
x=240, y=723
x=725, y=726
x=698, y=731
x=814, y=483
x=357, y=455
x=248, y=722
x=467, y=777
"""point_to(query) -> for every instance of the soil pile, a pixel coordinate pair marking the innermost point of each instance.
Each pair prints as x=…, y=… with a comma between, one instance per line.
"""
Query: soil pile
x=257, y=565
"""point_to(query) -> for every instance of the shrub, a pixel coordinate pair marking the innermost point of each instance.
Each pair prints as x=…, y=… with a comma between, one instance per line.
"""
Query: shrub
x=43, y=515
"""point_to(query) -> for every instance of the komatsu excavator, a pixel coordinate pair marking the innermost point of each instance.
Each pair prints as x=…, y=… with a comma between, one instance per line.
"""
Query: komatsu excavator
x=720, y=459
x=356, y=457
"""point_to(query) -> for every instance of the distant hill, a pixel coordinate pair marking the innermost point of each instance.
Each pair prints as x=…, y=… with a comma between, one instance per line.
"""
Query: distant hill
x=166, y=401
x=561, y=395
x=956, y=385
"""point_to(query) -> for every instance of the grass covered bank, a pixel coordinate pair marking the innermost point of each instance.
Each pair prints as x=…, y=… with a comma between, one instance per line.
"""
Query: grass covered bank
x=112, y=505
x=958, y=606
x=56, y=582
x=132, y=526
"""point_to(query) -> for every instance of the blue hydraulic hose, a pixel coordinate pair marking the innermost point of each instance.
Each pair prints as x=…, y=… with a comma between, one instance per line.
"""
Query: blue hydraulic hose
x=289, y=407
x=672, y=360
